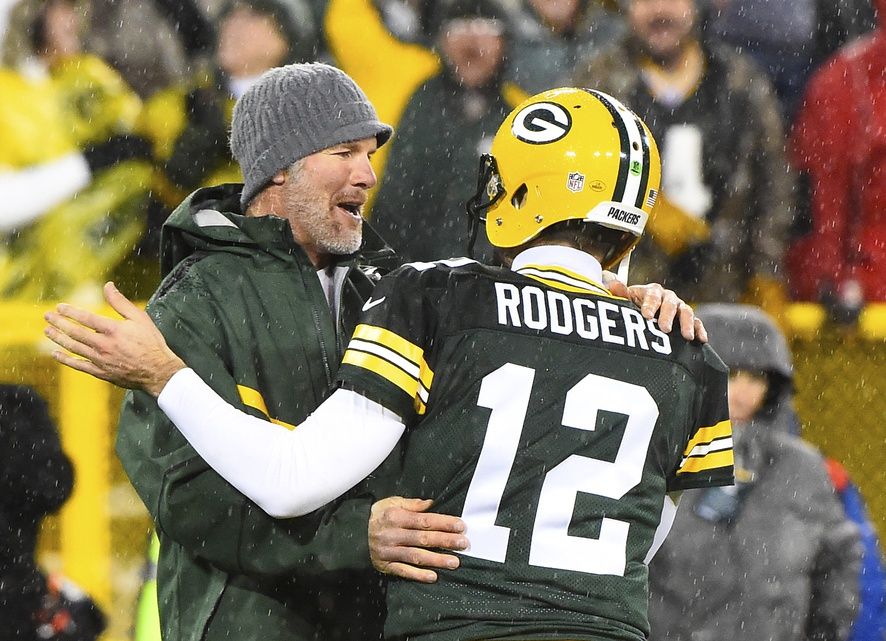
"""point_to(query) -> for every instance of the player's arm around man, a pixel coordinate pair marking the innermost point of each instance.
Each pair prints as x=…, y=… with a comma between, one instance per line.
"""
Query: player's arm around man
x=132, y=353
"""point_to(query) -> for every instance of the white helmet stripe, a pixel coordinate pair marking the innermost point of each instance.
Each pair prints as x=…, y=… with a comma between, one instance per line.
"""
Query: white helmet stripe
x=635, y=156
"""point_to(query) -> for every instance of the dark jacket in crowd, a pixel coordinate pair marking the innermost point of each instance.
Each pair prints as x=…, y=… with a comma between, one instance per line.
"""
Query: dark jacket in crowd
x=35, y=479
x=542, y=58
x=243, y=305
x=432, y=169
x=742, y=166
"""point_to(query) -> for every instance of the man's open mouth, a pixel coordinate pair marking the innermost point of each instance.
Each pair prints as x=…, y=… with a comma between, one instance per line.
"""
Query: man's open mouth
x=354, y=209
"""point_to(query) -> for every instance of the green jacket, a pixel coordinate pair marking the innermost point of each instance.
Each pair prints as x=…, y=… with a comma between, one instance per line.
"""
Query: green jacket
x=242, y=304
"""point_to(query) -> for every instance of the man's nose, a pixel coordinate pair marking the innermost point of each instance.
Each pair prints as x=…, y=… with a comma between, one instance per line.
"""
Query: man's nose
x=363, y=175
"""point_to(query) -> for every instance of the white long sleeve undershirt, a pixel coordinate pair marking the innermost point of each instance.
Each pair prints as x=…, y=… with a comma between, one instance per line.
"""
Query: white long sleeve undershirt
x=285, y=472
x=31, y=192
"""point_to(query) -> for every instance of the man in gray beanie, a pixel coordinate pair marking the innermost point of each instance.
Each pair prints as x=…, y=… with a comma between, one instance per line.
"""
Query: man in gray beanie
x=296, y=111
x=261, y=290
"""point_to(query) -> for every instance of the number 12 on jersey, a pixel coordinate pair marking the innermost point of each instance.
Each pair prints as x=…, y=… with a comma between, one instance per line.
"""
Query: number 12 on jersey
x=506, y=392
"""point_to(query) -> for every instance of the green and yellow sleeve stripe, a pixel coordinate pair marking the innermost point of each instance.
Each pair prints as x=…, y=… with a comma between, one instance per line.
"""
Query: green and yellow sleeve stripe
x=394, y=359
x=708, y=449
x=253, y=398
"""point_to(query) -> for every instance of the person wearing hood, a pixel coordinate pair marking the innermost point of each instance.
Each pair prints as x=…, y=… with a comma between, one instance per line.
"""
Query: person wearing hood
x=774, y=556
x=839, y=144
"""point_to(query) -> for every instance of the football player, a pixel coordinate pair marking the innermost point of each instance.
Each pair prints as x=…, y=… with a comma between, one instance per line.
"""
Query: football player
x=549, y=415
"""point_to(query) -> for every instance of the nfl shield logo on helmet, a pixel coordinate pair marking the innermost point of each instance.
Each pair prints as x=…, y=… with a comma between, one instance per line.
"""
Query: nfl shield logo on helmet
x=575, y=182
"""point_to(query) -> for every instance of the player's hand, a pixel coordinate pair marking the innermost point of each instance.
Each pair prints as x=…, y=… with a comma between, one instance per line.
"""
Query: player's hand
x=130, y=352
x=653, y=299
x=403, y=534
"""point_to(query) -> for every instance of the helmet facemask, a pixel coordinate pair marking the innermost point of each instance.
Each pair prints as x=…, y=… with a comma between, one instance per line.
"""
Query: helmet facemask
x=489, y=191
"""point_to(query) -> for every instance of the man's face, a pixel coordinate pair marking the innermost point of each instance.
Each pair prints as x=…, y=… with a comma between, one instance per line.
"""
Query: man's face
x=747, y=391
x=63, y=26
x=558, y=14
x=249, y=43
x=662, y=26
x=473, y=48
x=324, y=198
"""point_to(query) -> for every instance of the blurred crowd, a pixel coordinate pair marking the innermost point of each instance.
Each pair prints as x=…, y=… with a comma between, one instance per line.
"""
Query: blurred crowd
x=769, y=114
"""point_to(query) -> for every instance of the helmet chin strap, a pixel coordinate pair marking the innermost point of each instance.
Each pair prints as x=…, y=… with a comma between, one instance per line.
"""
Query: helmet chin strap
x=623, y=266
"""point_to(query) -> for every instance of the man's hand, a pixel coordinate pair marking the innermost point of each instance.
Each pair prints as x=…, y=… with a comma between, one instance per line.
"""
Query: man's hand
x=653, y=299
x=129, y=353
x=400, y=533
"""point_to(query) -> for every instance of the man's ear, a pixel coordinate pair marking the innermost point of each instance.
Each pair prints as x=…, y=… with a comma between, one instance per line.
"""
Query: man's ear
x=279, y=178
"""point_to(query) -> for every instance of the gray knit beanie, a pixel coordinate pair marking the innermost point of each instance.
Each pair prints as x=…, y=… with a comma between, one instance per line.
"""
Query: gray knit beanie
x=294, y=111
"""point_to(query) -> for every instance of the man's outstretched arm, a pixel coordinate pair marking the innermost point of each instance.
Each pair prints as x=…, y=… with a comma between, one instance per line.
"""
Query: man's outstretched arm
x=132, y=353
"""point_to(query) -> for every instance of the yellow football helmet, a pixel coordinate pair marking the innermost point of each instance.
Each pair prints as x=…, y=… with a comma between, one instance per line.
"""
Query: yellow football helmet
x=569, y=154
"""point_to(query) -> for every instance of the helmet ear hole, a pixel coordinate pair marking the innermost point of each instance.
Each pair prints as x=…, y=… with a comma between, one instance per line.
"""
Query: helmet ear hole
x=519, y=197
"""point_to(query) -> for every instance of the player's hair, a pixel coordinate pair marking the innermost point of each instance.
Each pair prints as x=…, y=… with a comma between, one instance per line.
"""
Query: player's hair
x=600, y=242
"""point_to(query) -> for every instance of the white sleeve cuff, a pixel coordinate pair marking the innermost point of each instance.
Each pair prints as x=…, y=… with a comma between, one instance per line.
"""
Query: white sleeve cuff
x=287, y=473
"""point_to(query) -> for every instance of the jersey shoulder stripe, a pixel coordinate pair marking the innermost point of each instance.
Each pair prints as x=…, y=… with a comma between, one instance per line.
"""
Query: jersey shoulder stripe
x=393, y=358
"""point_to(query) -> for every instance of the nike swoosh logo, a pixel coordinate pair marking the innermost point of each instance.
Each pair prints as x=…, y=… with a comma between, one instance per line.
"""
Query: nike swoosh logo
x=372, y=303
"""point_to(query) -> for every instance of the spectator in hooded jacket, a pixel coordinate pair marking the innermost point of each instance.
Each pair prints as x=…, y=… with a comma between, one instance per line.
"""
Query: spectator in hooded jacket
x=726, y=204
x=839, y=145
x=35, y=480
x=775, y=556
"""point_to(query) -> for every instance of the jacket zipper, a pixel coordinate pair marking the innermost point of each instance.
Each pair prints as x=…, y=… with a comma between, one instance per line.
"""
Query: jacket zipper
x=316, y=316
